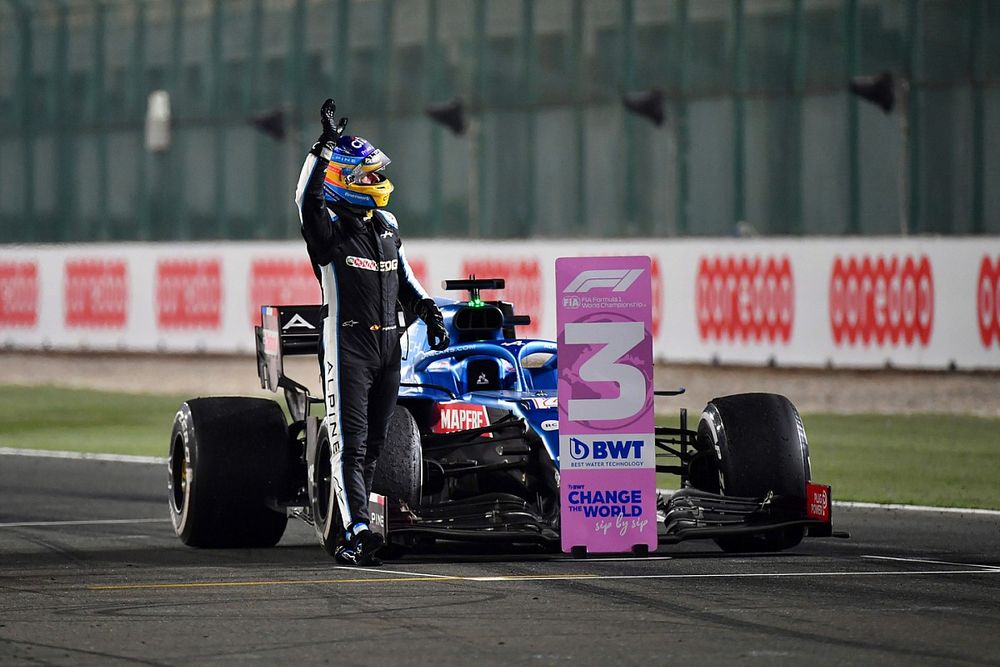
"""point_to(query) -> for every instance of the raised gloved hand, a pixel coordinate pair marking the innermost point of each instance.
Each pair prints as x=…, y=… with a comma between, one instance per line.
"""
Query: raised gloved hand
x=332, y=130
x=437, y=335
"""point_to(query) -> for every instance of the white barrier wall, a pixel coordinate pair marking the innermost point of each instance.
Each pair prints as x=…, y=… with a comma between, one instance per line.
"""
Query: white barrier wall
x=918, y=303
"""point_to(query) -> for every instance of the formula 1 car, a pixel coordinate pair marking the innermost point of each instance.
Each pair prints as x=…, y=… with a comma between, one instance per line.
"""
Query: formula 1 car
x=473, y=449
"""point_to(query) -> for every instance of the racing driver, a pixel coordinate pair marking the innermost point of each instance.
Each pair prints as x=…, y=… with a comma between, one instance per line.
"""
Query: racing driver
x=357, y=254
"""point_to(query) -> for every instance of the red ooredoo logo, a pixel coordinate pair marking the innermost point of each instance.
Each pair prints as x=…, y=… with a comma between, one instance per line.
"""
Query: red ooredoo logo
x=189, y=293
x=276, y=282
x=523, y=286
x=882, y=299
x=96, y=293
x=18, y=294
x=988, y=301
x=745, y=298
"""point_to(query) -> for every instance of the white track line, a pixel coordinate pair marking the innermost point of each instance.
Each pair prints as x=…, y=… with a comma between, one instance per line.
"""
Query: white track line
x=730, y=575
x=81, y=456
x=383, y=570
x=586, y=559
x=89, y=522
x=932, y=562
x=915, y=508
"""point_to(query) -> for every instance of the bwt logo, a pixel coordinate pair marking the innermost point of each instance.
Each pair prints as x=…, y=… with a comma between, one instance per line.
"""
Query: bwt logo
x=601, y=450
x=618, y=280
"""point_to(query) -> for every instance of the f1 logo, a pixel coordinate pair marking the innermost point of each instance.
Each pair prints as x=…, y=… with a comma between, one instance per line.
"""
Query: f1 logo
x=618, y=280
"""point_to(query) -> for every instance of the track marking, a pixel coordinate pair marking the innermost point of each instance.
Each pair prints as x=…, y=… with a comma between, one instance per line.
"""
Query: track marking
x=932, y=562
x=89, y=522
x=242, y=584
x=530, y=577
x=915, y=508
x=379, y=570
x=586, y=559
x=81, y=456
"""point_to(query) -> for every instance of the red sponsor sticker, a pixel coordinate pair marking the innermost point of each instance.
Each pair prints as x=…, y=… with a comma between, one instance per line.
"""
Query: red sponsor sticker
x=18, y=294
x=881, y=300
x=523, y=286
x=745, y=298
x=988, y=301
x=818, y=502
x=96, y=293
x=275, y=282
x=451, y=417
x=189, y=293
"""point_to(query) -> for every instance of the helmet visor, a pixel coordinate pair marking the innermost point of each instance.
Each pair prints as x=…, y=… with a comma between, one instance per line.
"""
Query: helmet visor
x=366, y=169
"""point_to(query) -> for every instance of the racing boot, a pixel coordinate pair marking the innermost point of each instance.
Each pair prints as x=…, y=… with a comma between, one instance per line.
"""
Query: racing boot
x=361, y=547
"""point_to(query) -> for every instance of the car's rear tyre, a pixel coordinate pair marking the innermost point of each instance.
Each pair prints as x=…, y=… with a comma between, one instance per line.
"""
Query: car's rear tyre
x=323, y=486
x=760, y=447
x=399, y=472
x=228, y=458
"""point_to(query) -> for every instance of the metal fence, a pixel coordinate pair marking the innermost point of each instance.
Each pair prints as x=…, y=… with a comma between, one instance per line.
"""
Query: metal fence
x=760, y=131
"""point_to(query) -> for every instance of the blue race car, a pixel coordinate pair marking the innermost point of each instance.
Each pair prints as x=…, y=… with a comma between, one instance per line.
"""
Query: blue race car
x=473, y=449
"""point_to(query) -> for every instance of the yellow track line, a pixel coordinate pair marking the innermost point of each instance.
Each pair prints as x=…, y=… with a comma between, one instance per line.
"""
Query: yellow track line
x=312, y=582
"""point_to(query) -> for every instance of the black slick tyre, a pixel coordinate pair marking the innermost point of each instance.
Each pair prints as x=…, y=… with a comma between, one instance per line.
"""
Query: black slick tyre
x=399, y=472
x=323, y=492
x=228, y=459
x=760, y=446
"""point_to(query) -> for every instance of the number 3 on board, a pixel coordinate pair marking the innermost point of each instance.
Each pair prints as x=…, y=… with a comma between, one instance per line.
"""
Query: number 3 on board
x=617, y=338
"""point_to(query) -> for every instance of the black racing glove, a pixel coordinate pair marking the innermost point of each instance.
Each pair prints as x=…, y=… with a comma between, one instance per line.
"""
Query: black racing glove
x=437, y=335
x=332, y=131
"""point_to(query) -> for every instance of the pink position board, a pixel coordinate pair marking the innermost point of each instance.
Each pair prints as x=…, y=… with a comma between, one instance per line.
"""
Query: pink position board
x=607, y=456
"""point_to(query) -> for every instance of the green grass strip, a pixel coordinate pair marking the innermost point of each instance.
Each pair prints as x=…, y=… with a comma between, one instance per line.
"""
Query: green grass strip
x=946, y=460
x=81, y=420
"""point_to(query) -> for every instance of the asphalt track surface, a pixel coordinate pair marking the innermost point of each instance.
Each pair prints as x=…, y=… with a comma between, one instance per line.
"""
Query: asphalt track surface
x=91, y=573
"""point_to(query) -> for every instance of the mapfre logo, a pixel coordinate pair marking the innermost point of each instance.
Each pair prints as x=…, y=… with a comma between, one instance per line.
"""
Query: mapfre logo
x=18, y=294
x=523, y=286
x=453, y=417
x=886, y=299
x=276, y=282
x=96, y=293
x=189, y=293
x=745, y=298
x=988, y=301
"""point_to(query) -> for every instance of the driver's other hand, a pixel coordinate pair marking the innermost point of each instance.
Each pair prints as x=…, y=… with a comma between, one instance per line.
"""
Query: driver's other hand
x=437, y=337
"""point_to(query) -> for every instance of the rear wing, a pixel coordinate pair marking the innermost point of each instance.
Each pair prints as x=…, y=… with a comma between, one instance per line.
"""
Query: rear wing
x=285, y=331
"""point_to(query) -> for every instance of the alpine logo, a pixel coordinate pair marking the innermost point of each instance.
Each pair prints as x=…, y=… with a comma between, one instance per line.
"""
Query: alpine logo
x=297, y=322
x=453, y=417
x=482, y=379
x=617, y=280
x=371, y=264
